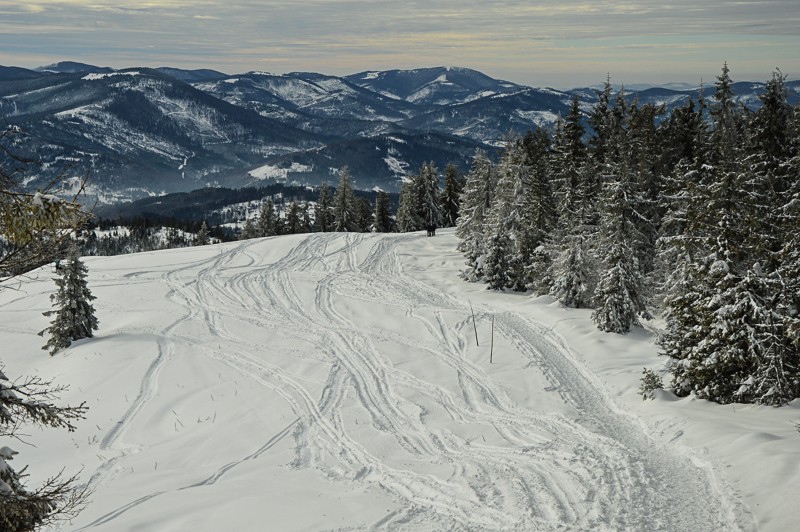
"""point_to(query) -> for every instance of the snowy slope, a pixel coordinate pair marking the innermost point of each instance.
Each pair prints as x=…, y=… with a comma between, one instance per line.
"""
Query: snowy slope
x=332, y=382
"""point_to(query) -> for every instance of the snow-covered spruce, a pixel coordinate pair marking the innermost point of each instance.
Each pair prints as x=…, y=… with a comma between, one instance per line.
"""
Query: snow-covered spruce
x=74, y=313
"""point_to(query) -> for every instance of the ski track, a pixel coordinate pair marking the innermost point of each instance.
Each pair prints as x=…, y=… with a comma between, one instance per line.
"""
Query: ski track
x=598, y=469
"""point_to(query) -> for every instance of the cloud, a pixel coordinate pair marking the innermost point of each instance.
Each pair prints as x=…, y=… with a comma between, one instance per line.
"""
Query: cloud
x=363, y=34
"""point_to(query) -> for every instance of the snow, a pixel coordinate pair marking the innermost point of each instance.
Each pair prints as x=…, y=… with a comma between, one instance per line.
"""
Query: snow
x=540, y=118
x=278, y=173
x=40, y=200
x=333, y=382
x=396, y=166
x=96, y=76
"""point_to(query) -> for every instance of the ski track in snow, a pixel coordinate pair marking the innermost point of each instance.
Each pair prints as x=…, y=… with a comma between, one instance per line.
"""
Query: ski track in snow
x=595, y=470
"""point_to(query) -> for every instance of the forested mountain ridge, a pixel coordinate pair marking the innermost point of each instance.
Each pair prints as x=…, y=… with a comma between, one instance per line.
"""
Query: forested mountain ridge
x=140, y=132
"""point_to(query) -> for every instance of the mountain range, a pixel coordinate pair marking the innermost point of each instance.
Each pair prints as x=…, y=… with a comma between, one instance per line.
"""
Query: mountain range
x=141, y=132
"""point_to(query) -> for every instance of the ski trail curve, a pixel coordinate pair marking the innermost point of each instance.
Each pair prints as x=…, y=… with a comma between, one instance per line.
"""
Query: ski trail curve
x=462, y=456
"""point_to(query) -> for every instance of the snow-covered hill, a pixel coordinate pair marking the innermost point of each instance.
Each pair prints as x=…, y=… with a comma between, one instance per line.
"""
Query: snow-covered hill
x=333, y=382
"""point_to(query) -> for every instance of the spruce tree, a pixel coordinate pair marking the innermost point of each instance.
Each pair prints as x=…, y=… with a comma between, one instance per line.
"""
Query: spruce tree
x=408, y=219
x=383, y=220
x=268, y=224
x=532, y=261
x=29, y=402
x=305, y=218
x=450, y=201
x=74, y=313
x=620, y=290
x=344, y=208
x=249, y=230
x=572, y=273
x=203, y=235
x=573, y=269
x=431, y=213
x=294, y=219
x=323, y=213
x=476, y=201
x=503, y=267
x=364, y=216
x=620, y=293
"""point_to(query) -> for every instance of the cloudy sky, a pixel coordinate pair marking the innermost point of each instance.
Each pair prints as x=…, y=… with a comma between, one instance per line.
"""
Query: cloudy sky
x=558, y=43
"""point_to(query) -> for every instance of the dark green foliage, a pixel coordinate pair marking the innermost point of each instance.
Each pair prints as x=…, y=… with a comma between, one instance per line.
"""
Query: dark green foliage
x=74, y=313
x=25, y=402
x=450, y=202
x=323, y=218
x=696, y=215
x=202, y=238
x=344, y=210
x=268, y=221
x=650, y=382
x=420, y=201
x=383, y=220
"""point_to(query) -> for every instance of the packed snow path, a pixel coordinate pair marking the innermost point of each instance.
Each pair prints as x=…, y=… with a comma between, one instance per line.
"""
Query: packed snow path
x=346, y=394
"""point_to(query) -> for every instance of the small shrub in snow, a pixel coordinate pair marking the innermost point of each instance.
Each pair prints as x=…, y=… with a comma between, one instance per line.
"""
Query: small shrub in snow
x=650, y=382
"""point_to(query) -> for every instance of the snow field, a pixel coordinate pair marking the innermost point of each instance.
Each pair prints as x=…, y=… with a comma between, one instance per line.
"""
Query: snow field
x=332, y=381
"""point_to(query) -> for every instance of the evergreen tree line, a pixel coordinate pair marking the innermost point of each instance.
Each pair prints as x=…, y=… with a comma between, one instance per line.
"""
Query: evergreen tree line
x=693, y=216
x=423, y=204
x=339, y=209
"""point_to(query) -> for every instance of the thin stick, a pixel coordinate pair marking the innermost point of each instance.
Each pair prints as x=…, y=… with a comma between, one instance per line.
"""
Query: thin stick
x=473, y=323
x=491, y=349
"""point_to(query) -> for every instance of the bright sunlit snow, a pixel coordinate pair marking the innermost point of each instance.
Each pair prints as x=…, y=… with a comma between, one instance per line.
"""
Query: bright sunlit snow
x=333, y=382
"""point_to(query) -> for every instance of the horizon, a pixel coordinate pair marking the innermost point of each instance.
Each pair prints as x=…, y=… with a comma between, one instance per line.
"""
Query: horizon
x=687, y=85
x=559, y=44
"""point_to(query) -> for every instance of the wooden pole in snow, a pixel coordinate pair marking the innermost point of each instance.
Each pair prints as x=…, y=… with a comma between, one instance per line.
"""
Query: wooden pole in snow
x=473, y=323
x=491, y=349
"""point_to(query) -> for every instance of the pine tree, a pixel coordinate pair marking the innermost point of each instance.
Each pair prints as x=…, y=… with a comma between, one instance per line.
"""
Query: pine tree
x=620, y=294
x=572, y=272
x=476, y=198
x=29, y=402
x=305, y=218
x=431, y=212
x=531, y=260
x=344, y=213
x=34, y=226
x=383, y=220
x=268, y=220
x=294, y=219
x=450, y=201
x=408, y=219
x=249, y=230
x=503, y=266
x=620, y=290
x=203, y=235
x=682, y=246
x=74, y=313
x=364, y=217
x=601, y=120
x=768, y=176
x=323, y=214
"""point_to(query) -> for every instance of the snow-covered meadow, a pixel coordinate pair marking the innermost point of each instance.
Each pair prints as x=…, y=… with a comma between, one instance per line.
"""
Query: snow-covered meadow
x=333, y=382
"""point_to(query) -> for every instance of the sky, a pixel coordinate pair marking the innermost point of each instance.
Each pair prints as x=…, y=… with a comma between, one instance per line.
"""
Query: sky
x=555, y=43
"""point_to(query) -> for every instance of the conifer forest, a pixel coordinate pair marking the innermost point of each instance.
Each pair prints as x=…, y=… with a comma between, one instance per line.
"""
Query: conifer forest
x=692, y=217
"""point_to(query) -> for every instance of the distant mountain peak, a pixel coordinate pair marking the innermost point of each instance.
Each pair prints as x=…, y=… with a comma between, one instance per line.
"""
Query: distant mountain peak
x=73, y=67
